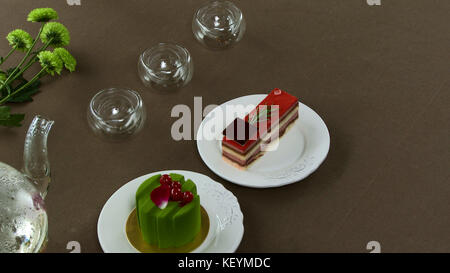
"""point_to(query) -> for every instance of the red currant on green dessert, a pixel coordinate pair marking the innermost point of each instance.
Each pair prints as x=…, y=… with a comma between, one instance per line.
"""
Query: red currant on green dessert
x=187, y=198
x=165, y=180
x=176, y=185
x=176, y=194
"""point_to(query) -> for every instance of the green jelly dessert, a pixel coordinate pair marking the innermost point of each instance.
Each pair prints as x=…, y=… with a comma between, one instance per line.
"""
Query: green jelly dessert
x=178, y=222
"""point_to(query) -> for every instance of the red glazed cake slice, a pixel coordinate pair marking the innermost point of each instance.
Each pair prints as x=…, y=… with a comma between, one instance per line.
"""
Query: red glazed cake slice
x=243, y=138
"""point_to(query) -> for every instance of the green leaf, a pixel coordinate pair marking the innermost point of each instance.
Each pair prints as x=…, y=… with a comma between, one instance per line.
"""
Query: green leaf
x=4, y=112
x=9, y=71
x=10, y=120
x=25, y=94
x=13, y=121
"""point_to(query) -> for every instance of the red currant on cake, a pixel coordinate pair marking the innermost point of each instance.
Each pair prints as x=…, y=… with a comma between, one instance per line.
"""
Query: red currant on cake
x=176, y=194
x=165, y=180
x=187, y=197
x=176, y=185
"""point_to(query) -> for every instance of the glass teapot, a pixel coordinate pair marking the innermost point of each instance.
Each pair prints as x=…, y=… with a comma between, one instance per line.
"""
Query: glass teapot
x=23, y=219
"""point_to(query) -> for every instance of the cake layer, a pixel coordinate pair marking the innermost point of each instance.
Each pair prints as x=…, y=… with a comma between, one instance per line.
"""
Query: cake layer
x=245, y=156
x=287, y=120
x=172, y=226
x=241, y=131
x=244, y=160
x=230, y=143
x=238, y=160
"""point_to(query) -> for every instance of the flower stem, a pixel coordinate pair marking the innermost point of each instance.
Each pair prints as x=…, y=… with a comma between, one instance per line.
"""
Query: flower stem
x=7, y=81
x=30, y=63
x=35, y=78
x=33, y=59
x=9, y=54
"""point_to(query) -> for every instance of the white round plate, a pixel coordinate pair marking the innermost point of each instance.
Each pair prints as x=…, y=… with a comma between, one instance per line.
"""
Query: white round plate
x=300, y=150
x=225, y=216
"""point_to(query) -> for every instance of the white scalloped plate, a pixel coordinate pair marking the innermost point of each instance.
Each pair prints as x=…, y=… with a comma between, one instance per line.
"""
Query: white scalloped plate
x=300, y=151
x=225, y=216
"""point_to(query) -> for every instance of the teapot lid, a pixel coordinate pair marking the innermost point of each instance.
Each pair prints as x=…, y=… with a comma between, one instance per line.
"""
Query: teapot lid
x=23, y=219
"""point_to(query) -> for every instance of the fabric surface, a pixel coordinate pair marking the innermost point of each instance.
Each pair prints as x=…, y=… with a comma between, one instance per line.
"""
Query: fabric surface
x=377, y=75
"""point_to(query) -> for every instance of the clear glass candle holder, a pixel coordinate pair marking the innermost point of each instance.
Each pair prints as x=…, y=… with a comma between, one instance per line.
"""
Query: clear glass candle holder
x=218, y=24
x=166, y=67
x=116, y=113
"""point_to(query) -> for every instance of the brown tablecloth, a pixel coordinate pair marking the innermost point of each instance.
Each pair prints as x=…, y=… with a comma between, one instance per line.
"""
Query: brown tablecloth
x=378, y=76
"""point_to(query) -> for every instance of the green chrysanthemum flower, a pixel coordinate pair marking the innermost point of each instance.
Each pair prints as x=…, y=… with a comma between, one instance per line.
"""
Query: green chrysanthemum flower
x=68, y=60
x=51, y=62
x=42, y=15
x=55, y=34
x=20, y=39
